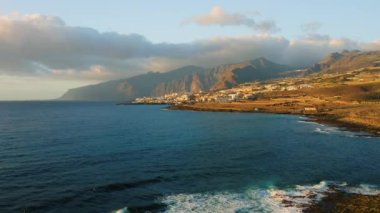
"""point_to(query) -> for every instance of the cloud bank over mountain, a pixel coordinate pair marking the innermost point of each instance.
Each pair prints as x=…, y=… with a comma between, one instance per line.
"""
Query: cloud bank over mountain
x=45, y=46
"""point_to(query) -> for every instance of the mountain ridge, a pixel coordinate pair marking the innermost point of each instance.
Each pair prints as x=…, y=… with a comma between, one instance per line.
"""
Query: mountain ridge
x=184, y=79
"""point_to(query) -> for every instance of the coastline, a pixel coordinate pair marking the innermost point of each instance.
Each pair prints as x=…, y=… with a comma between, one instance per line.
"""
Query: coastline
x=332, y=116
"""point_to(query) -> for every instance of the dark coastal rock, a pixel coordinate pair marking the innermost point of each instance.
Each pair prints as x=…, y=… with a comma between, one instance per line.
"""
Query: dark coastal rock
x=342, y=202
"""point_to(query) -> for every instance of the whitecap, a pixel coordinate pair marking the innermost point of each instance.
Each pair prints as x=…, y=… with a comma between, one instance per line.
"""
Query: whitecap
x=252, y=200
x=122, y=210
x=305, y=122
x=322, y=131
x=290, y=200
x=273, y=200
x=217, y=202
x=364, y=189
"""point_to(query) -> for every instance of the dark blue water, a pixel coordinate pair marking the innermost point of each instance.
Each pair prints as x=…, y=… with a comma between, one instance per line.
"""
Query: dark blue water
x=99, y=157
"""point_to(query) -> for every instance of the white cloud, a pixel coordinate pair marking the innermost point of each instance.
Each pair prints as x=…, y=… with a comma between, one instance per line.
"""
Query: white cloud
x=217, y=16
x=310, y=49
x=38, y=45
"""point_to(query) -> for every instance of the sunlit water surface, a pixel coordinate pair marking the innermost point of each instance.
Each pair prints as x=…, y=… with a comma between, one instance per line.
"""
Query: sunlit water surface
x=100, y=157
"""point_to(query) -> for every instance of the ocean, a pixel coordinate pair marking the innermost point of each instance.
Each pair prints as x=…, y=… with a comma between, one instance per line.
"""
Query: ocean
x=102, y=157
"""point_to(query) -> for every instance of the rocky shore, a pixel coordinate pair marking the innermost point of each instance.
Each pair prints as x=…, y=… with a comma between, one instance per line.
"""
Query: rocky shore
x=340, y=201
x=353, y=117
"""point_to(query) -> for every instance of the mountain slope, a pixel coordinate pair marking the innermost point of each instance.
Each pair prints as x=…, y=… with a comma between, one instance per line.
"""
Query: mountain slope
x=185, y=79
x=346, y=61
x=258, y=69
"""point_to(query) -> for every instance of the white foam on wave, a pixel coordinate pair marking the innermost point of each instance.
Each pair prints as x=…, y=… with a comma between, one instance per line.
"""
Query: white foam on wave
x=364, y=189
x=291, y=200
x=122, y=210
x=330, y=130
x=299, y=197
x=323, y=129
x=216, y=202
x=304, y=122
x=252, y=200
x=345, y=133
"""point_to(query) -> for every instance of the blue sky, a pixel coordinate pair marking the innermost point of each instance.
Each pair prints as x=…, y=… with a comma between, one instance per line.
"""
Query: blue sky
x=161, y=20
x=64, y=44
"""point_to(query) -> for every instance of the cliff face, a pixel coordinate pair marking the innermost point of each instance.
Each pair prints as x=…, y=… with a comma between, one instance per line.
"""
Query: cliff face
x=149, y=84
x=185, y=79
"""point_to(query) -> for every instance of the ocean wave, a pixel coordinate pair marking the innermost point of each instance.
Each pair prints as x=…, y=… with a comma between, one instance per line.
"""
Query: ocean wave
x=325, y=130
x=342, y=132
x=122, y=210
x=127, y=185
x=322, y=129
x=336, y=131
x=330, y=130
x=291, y=200
x=215, y=202
x=305, y=122
x=364, y=189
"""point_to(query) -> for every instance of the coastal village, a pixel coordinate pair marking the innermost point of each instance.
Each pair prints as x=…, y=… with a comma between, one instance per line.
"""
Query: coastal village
x=246, y=91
